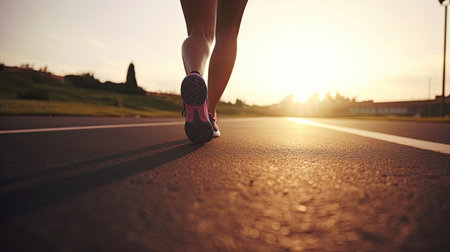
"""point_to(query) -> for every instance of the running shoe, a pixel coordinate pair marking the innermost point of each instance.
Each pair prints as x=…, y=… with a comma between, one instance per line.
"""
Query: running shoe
x=194, y=92
x=213, y=120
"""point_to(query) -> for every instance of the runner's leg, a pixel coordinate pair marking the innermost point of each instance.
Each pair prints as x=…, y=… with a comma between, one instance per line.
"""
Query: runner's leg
x=229, y=15
x=200, y=17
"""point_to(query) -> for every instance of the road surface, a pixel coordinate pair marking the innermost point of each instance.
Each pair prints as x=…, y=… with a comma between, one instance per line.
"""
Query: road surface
x=267, y=184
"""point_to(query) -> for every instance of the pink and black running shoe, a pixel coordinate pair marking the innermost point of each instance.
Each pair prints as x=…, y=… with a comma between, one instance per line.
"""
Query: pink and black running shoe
x=213, y=120
x=194, y=92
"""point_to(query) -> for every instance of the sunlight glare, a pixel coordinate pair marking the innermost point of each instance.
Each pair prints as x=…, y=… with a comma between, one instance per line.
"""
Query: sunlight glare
x=302, y=70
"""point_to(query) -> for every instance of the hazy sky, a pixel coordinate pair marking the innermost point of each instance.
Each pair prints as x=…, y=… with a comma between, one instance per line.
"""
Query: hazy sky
x=382, y=50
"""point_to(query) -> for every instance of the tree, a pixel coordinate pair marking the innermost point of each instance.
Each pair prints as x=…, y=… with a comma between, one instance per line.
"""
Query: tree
x=328, y=98
x=288, y=100
x=131, y=77
x=239, y=103
x=314, y=99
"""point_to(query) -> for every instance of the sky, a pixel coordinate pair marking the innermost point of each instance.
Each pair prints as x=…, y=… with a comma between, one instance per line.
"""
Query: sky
x=380, y=50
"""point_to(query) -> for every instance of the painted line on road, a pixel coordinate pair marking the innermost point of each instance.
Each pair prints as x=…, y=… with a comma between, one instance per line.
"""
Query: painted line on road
x=421, y=144
x=113, y=126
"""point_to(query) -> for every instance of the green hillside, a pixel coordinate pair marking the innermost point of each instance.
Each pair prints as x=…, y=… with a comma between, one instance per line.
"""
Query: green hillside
x=28, y=91
x=24, y=91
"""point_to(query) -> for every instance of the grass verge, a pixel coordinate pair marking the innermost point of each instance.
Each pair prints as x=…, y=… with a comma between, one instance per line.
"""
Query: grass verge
x=33, y=107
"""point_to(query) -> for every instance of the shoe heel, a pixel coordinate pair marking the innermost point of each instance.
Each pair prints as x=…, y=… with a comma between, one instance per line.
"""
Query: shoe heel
x=197, y=130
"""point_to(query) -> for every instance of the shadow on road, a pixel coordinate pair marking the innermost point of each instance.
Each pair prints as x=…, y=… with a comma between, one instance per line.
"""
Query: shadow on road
x=81, y=164
x=34, y=197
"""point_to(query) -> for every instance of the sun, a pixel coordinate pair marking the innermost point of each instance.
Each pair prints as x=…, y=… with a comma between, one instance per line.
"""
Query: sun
x=302, y=71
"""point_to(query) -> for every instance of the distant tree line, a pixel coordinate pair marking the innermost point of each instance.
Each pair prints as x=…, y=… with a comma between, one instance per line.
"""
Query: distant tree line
x=86, y=80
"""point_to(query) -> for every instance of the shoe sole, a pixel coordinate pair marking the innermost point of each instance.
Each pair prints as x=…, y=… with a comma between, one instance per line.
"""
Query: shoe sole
x=216, y=134
x=194, y=92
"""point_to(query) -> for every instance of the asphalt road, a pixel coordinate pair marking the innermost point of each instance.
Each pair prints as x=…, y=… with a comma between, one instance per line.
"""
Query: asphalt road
x=267, y=184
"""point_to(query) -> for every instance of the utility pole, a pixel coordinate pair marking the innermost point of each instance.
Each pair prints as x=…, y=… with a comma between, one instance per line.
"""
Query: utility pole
x=445, y=3
x=443, y=75
x=429, y=88
x=429, y=96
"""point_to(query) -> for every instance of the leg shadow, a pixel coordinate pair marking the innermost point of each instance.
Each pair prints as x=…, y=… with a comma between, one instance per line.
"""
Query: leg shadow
x=32, y=198
x=65, y=168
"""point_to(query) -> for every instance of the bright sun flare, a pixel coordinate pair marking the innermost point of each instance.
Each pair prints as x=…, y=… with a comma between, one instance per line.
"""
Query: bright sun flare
x=303, y=71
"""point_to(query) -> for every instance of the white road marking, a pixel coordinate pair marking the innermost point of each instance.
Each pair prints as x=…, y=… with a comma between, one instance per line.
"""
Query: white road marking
x=112, y=126
x=131, y=125
x=421, y=144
